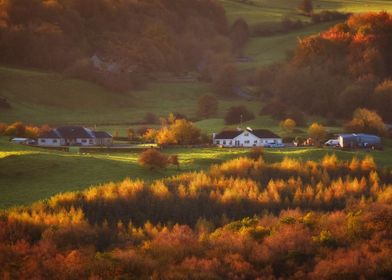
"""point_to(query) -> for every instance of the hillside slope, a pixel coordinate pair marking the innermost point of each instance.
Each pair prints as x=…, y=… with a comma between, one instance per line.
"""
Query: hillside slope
x=259, y=11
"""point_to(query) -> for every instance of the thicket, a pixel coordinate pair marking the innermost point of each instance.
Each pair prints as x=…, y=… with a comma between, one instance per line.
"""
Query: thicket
x=19, y=129
x=244, y=219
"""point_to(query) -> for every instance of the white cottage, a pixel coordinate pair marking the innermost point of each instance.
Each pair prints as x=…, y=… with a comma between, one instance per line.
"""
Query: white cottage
x=246, y=138
x=74, y=135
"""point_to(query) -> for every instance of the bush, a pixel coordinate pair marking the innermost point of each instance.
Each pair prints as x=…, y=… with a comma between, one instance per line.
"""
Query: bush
x=153, y=159
x=238, y=114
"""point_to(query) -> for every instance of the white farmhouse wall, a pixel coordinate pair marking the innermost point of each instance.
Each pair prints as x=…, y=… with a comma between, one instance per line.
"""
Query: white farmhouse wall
x=86, y=141
x=247, y=139
x=50, y=142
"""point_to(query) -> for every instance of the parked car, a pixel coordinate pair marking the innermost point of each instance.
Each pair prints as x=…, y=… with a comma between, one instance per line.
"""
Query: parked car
x=275, y=145
x=332, y=143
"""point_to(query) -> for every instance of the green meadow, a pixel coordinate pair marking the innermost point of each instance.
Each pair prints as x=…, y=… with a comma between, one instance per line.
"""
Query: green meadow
x=29, y=174
x=260, y=11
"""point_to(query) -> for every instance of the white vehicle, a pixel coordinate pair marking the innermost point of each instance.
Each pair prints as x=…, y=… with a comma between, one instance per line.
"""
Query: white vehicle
x=275, y=145
x=332, y=143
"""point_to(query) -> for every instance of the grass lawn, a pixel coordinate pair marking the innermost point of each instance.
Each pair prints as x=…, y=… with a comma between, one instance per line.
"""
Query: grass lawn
x=39, y=97
x=30, y=174
x=269, y=50
x=259, y=11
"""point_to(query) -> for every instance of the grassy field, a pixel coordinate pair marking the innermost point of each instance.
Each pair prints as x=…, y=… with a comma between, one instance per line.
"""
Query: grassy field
x=259, y=11
x=39, y=97
x=269, y=50
x=30, y=174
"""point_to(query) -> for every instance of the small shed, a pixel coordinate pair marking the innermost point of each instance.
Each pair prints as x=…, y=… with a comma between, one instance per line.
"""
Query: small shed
x=18, y=140
x=360, y=140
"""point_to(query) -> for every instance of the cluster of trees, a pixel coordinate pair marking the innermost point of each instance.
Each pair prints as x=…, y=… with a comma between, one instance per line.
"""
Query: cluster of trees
x=174, y=130
x=235, y=221
x=136, y=37
x=19, y=129
x=366, y=121
x=338, y=71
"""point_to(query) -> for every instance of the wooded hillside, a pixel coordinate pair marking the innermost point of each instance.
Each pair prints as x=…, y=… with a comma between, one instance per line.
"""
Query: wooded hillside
x=132, y=36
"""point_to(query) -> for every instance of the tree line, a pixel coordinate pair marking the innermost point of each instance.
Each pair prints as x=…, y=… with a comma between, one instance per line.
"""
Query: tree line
x=334, y=73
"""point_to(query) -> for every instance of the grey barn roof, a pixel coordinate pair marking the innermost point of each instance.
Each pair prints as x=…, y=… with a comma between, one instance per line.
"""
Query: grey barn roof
x=264, y=133
x=102, y=134
x=228, y=134
x=72, y=132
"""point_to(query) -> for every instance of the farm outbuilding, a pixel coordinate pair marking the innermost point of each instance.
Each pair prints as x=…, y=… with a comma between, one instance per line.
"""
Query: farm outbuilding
x=359, y=141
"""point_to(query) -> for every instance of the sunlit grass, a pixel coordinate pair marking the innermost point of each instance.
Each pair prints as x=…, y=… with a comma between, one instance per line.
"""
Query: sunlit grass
x=15, y=153
x=259, y=11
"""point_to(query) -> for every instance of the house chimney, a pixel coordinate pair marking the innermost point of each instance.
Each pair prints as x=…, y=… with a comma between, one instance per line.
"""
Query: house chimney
x=213, y=135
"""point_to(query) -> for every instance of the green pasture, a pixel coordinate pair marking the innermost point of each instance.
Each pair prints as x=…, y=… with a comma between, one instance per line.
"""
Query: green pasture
x=260, y=11
x=29, y=174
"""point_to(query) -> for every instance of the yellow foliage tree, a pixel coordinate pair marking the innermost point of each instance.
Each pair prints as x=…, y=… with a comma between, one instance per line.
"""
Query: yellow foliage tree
x=288, y=124
x=165, y=136
x=317, y=132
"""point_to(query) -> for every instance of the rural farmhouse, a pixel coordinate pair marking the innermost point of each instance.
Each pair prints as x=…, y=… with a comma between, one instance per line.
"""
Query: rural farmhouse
x=247, y=138
x=75, y=136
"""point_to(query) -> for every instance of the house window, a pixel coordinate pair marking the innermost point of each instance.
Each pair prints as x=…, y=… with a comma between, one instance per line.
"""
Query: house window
x=54, y=141
x=246, y=134
x=90, y=141
x=217, y=142
x=247, y=142
x=255, y=141
x=224, y=142
x=43, y=140
x=84, y=141
x=231, y=142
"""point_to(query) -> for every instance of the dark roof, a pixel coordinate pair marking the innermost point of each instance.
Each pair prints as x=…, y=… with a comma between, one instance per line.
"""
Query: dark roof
x=228, y=134
x=75, y=132
x=102, y=134
x=69, y=132
x=51, y=134
x=264, y=133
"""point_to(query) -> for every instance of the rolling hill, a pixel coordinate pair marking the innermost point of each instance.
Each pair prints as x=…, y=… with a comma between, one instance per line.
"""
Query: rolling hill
x=259, y=11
